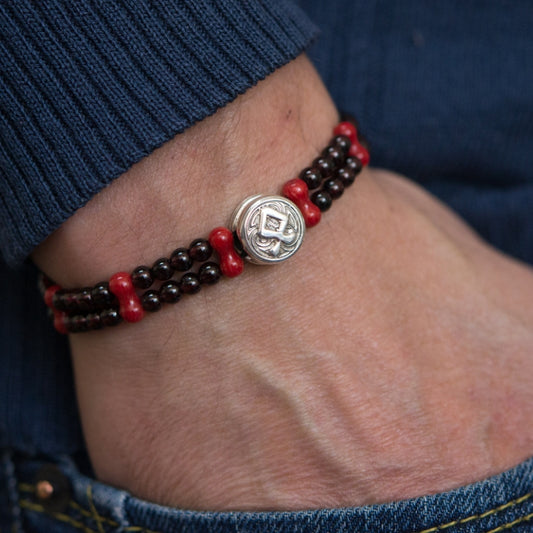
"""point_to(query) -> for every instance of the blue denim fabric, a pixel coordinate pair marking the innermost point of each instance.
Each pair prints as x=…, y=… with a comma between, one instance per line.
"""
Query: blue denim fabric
x=502, y=503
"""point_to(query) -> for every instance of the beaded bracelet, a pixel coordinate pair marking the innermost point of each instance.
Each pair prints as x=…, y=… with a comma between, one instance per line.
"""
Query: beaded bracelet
x=263, y=229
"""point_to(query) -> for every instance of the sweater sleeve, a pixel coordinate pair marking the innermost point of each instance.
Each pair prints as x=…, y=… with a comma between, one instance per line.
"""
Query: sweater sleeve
x=87, y=88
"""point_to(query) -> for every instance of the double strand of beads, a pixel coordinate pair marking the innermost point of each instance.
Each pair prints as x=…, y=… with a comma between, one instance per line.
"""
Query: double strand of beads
x=263, y=230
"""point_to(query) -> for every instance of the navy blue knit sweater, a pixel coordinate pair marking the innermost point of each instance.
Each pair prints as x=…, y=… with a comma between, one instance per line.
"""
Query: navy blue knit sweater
x=87, y=88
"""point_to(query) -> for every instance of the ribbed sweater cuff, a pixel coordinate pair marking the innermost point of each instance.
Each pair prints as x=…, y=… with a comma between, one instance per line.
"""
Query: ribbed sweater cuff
x=87, y=88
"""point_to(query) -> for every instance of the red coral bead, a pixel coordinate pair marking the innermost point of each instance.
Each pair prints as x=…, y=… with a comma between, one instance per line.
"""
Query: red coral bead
x=121, y=285
x=60, y=322
x=297, y=191
x=49, y=295
x=348, y=129
x=231, y=263
x=359, y=151
x=59, y=316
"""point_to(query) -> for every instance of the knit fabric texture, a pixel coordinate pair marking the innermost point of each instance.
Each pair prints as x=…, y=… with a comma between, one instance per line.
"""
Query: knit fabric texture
x=87, y=88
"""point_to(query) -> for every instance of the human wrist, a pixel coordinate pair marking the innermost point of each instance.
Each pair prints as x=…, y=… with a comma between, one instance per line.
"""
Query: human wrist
x=309, y=384
x=192, y=183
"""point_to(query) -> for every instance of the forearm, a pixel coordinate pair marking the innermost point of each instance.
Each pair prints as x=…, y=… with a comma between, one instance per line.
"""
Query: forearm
x=350, y=374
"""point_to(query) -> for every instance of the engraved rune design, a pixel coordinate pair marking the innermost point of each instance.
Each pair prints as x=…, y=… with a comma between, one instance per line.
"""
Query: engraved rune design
x=273, y=225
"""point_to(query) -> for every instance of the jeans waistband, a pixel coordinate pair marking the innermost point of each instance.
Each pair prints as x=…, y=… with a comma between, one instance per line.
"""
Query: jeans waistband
x=497, y=504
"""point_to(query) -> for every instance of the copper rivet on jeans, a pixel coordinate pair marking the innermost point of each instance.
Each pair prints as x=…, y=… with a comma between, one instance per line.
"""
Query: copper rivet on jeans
x=44, y=490
x=52, y=488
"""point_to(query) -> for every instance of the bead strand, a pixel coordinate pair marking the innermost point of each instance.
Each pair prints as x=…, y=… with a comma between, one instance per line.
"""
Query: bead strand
x=109, y=303
x=347, y=141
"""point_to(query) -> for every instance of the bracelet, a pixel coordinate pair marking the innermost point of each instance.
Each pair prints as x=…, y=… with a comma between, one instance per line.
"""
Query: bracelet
x=263, y=230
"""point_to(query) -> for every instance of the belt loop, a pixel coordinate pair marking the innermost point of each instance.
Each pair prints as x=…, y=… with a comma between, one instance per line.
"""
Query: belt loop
x=8, y=470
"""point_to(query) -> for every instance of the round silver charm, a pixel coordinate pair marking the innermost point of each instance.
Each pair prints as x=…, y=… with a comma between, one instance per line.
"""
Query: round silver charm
x=270, y=228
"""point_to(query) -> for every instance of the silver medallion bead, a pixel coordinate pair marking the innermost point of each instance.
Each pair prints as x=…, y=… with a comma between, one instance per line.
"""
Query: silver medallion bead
x=269, y=228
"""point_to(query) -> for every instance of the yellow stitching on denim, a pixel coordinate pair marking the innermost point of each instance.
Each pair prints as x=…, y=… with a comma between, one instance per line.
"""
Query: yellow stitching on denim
x=94, y=512
x=509, y=525
x=26, y=487
x=139, y=529
x=87, y=514
x=507, y=505
x=58, y=516
x=65, y=518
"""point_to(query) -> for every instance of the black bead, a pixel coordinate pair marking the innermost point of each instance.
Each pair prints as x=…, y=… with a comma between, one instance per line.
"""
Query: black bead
x=363, y=141
x=180, y=260
x=150, y=301
x=142, y=277
x=94, y=321
x=200, y=250
x=170, y=292
x=110, y=317
x=336, y=154
x=325, y=165
x=84, y=299
x=209, y=273
x=312, y=177
x=162, y=270
x=59, y=300
x=346, y=176
x=76, y=323
x=342, y=142
x=72, y=301
x=334, y=187
x=102, y=296
x=353, y=164
x=189, y=283
x=322, y=200
x=237, y=245
x=347, y=117
x=44, y=282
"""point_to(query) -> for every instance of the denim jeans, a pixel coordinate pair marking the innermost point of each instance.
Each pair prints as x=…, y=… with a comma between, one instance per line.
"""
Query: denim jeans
x=502, y=503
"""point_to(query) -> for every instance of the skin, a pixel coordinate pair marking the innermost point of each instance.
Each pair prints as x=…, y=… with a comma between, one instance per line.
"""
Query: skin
x=390, y=358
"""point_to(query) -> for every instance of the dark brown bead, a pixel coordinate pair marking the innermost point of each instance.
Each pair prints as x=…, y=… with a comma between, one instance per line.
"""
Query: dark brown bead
x=209, y=273
x=71, y=301
x=94, y=321
x=342, y=142
x=200, y=250
x=142, y=278
x=312, y=177
x=322, y=200
x=43, y=282
x=346, y=175
x=76, y=323
x=180, y=260
x=110, y=317
x=189, y=283
x=170, y=292
x=348, y=117
x=334, y=187
x=336, y=154
x=353, y=164
x=325, y=165
x=102, y=296
x=162, y=270
x=62, y=301
x=59, y=300
x=85, y=301
x=150, y=301
x=363, y=141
